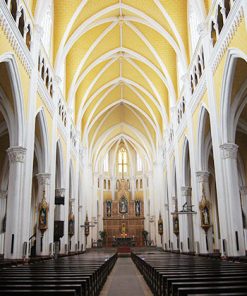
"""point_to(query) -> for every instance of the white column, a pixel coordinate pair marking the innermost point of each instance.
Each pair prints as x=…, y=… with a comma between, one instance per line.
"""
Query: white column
x=145, y=202
x=187, y=222
x=159, y=197
x=235, y=238
x=25, y=224
x=72, y=239
x=152, y=209
x=13, y=242
x=205, y=238
x=243, y=192
x=3, y=203
x=44, y=186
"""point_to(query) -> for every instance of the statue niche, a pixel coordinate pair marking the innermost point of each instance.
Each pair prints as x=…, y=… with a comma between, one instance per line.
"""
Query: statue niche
x=123, y=205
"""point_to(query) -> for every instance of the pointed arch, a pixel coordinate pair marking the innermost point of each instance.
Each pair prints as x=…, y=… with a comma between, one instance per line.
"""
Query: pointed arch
x=41, y=141
x=59, y=165
x=226, y=116
x=14, y=118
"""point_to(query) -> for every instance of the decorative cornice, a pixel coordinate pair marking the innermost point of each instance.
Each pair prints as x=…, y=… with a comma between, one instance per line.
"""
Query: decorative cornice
x=43, y=179
x=46, y=97
x=229, y=150
x=198, y=94
x=16, y=154
x=186, y=191
x=3, y=194
x=230, y=27
x=15, y=38
x=202, y=176
x=243, y=190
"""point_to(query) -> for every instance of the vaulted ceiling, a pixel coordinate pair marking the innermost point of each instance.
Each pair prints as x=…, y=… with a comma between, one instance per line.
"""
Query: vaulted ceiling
x=121, y=66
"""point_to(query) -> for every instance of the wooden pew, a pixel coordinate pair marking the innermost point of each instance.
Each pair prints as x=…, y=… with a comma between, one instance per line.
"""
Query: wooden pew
x=173, y=274
x=75, y=275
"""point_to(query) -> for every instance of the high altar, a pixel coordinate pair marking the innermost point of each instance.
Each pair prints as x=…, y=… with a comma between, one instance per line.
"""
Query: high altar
x=124, y=217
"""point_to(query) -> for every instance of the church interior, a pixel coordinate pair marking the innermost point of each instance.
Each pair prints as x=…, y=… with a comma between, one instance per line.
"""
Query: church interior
x=123, y=139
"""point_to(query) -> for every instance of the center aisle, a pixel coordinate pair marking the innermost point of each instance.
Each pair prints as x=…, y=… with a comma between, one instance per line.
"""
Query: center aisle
x=125, y=279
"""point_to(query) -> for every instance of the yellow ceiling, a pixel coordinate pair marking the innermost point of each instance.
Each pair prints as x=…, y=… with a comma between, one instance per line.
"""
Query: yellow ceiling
x=121, y=65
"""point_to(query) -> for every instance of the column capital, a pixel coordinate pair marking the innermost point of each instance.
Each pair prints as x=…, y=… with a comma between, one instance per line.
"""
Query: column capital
x=202, y=176
x=60, y=192
x=186, y=190
x=229, y=150
x=16, y=154
x=243, y=190
x=43, y=178
x=3, y=194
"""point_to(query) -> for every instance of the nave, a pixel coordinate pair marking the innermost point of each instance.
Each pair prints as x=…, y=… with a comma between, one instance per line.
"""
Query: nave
x=143, y=272
x=125, y=279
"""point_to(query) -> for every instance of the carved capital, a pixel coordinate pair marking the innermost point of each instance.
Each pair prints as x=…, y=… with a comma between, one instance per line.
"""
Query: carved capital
x=186, y=190
x=243, y=190
x=43, y=179
x=229, y=150
x=3, y=194
x=202, y=176
x=60, y=192
x=16, y=154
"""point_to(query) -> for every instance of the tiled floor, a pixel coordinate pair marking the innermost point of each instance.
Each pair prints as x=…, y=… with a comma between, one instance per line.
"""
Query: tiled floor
x=125, y=279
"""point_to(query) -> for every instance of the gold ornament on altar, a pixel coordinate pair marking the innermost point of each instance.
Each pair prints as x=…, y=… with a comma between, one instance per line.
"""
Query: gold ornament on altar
x=160, y=225
x=204, y=207
x=43, y=214
x=86, y=226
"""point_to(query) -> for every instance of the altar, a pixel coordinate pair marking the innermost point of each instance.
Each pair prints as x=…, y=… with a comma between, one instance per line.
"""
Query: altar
x=124, y=218
x=123, y=241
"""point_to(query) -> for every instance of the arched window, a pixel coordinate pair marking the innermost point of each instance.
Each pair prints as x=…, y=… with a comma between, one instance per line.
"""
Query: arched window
x=13, y=9
x=106, y=163
x=28, y=37
x=22, y=23
x=138, y=163
x=122, y=161
x=194, y=21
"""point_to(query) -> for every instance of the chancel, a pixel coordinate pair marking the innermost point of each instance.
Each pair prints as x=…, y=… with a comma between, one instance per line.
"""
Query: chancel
x=123, y=139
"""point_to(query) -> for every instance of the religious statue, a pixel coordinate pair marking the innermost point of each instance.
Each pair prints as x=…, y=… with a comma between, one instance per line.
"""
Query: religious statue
x=160, y=225
x=175, y=224
x=138, y=207
x=175, y=219
x=123, y=230
x=204, y=207
x=108, y=208
x=123, y=205
x=86, y=226
x=71, y=224
x=4, y=224
x=43, y=214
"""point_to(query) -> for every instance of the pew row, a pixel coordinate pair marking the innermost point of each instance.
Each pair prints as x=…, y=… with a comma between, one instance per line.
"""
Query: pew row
x=182, y=275
x=79, y=275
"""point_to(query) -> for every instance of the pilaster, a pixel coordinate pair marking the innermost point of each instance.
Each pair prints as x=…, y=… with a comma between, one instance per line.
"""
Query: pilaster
x=235, y=239
x=13, y=241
